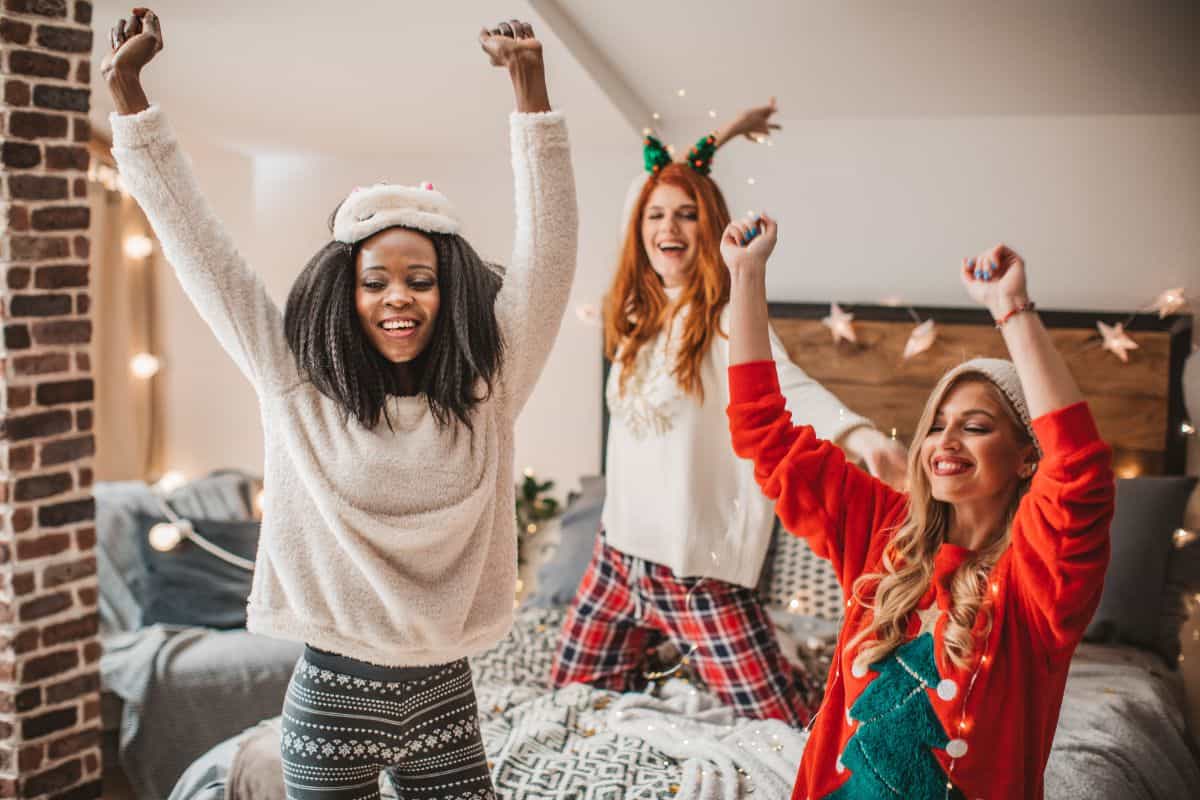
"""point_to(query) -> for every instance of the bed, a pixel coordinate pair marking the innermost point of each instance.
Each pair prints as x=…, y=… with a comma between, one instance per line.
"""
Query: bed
x=1122, y=732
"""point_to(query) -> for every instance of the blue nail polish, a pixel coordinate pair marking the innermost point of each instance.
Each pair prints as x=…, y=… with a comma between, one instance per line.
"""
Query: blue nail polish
x=971, y=261
x=992, y=264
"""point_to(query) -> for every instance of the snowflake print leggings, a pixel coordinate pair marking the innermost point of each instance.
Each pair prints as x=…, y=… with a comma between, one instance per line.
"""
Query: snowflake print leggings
x=346, y=721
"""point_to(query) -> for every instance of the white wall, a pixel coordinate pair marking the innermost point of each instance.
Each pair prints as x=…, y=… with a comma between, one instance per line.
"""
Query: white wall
x=1104, y=208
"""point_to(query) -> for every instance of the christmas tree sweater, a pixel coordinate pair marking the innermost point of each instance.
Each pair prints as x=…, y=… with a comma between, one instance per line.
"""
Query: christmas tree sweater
x=913, y=725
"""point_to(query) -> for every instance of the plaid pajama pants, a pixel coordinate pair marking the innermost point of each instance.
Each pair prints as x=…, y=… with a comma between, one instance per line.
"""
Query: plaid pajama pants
x=626, y=604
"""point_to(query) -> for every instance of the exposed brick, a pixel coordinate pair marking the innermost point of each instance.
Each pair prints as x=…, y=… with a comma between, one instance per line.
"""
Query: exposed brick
x=23, y=584
x=29, y=699
x=83, y=245
x=61, y=98
x=16, y=93
x=32, y=426
x=8, y=673
x=18, y=218
x=18, y=397
x=44, y=607
x=67, y=158
x=6, y=730
x=22, y=520
x=31, y=757
x=83, y=303
x=18, y=277
x=8, y=703
x=77, y=391
x=83, y=362
x=67, y=513
x=15, y=32
x=74, y=743
x=80, y=188
x=87, y=596
x=35, y=125
x=85, y=538
x=54, y=779
x=39, y=305
x=83, y=72
x=44, y=8
x=91, y=708
x=37, y=187
x=91, y=652
x=19, y=154
x=28, y=62
x=40, y=248
x=61, y=218
x=59, y=574
x=16, y=337
x=63, y=332
x=66, y=276
x=42, y=365
x=35, y=669
x=64, y=40
x=27, y=641
x=43, y=546
x=83, y=12
x=39, y=486
x=73, y=688
x=66, y=450
x=92, y=790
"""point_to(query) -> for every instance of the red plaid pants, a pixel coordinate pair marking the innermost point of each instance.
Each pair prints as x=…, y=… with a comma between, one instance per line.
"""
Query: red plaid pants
x=626, y=604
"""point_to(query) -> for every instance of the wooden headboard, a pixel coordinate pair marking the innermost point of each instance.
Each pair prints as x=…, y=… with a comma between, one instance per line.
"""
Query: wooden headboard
x=1138, y=405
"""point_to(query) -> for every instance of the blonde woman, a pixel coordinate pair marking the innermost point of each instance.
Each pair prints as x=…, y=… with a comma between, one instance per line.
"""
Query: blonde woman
x=965, y=597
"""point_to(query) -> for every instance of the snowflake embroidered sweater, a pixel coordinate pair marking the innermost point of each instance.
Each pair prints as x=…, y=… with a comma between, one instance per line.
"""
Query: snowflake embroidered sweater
x=1043, y=590
x=676, y=494
x=395, y=546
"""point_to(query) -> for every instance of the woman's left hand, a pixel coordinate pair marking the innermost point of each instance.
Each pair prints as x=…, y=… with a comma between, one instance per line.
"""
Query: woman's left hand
x=754, y=123
x=996, y=279
x=510, y=44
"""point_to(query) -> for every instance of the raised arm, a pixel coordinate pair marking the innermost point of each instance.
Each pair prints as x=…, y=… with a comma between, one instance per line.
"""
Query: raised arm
x=753, y=123
x=228, y=295
x=818, y=494
x=1060, y=534
x=538, y=281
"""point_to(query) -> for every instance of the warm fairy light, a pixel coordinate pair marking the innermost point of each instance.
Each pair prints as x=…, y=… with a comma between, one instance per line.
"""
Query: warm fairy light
x=841, y=326
x=681, y=92
x=1115, y=340
x=995, y=588
x=1170, y=301
x=170, y=481
x=1183, y=537
x=1130, y=470
x=647, y=131
x=656, y=115
x=165, y=537
x=531, y=528
x=712, y=113
x=138, y=246
x=259, y=501
x=921, y=339
x=750, y=181
x=1187, y=428
x=144, y=365
x=893, y=435
x=520, y=585
x=528, y=472
x=892, y=301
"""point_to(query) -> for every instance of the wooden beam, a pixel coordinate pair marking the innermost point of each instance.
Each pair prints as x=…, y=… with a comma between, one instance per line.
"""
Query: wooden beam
x=593, y=60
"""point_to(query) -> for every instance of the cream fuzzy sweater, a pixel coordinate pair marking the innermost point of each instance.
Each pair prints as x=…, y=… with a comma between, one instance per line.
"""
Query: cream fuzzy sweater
x=395, y=547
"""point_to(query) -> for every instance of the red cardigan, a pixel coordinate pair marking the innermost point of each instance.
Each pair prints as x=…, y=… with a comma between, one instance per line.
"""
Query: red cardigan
x=1044, y=589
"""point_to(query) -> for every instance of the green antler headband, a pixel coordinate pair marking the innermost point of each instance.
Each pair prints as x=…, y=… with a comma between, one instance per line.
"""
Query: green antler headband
x=655, y=155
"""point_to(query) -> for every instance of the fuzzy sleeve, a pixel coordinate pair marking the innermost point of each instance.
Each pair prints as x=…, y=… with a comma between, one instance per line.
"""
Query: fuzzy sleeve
x=818, y=494
x=228, y=294
x=537, y=283
x=1060, y=533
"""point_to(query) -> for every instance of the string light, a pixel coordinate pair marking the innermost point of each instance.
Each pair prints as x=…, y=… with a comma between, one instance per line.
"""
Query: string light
x=144, y=365
x=1115, y=340
x=681, y=92
x=840, y=324
x=750, y=181
x=1183, y=537
x=170, y=481
x=138, y=246
x=712, y=114
x=1187, y=428
x=165, y=537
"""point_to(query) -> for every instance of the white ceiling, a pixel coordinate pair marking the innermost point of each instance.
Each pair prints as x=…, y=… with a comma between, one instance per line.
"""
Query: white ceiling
x=378, y=75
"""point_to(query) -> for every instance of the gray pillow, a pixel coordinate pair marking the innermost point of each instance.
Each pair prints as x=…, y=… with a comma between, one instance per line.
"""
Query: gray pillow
x=559, y=578
x=1134, y=600
x=190, y=586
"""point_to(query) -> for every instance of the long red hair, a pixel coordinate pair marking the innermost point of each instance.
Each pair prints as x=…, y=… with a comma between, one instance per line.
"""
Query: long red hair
x=636, y=307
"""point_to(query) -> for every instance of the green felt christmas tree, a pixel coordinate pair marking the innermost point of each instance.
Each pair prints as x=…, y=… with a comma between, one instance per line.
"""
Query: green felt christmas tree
x=891, y=749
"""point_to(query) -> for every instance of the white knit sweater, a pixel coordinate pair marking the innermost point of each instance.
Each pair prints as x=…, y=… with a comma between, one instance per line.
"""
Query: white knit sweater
x=396, y=547
x=676, y=494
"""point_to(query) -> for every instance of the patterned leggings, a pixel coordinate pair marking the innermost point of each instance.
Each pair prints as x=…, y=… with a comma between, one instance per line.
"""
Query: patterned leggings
x=346, y=721
x=625, y=605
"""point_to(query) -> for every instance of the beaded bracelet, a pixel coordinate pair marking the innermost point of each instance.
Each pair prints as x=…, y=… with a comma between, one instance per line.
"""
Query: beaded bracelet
x=1028, y=305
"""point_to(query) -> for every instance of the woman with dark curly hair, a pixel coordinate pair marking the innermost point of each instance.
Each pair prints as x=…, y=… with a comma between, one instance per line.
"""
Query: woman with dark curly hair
x=388, y=397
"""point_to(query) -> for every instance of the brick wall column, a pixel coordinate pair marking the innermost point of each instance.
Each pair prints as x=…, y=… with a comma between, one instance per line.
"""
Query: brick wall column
x=49, y=650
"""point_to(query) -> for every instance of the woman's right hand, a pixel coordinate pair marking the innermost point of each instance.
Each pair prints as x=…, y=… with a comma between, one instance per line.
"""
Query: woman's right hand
x=742, y=256
x=135, y=42
x=753, y=123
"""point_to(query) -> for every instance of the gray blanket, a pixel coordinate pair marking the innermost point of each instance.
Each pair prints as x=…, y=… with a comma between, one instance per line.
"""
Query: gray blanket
x=1121, y=736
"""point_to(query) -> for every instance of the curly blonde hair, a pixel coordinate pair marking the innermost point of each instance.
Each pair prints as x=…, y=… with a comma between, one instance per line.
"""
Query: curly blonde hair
x=908, y=558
